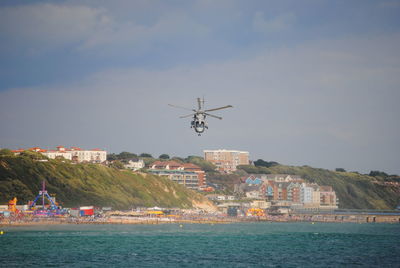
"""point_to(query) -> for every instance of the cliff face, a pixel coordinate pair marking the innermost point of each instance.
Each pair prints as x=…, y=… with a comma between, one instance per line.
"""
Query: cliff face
x=89, y=184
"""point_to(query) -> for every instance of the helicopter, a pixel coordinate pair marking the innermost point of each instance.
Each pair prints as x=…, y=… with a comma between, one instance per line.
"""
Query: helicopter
x=199, y=123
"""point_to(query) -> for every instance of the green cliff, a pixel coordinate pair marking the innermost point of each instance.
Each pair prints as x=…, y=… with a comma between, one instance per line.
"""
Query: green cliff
x=88, y=184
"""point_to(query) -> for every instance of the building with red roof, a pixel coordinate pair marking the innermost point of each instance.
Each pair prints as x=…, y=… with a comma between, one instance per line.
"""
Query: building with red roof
x=180, y=172
x=169, y=165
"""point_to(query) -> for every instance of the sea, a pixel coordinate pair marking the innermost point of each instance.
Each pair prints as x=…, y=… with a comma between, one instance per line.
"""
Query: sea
x=258, y=244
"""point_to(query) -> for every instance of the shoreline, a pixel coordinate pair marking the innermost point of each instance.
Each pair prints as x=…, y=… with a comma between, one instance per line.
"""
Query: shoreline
x=206, y=220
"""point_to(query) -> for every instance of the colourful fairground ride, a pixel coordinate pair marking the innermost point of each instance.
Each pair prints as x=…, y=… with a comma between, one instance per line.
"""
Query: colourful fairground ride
x=49, y=209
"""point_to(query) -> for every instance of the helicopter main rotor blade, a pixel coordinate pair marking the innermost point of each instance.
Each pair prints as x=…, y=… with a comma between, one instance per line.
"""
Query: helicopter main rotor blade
x=218, y=117
x=199, y=103
x=180, y=107
x=184, y=116
x=220, y=108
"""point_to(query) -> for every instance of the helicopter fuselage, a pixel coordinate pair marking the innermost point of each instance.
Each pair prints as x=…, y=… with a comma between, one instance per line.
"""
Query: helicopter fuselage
x=199, y=122
x=199, y=115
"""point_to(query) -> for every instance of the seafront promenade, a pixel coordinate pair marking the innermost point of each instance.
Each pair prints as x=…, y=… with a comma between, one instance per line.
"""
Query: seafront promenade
x=205, y=219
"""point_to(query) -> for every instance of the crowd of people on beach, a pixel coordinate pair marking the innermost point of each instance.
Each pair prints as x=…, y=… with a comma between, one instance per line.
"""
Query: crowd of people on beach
x=191, y=217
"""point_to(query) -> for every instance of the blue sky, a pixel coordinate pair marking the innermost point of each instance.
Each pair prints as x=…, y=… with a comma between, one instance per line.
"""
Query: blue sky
x=312, y=82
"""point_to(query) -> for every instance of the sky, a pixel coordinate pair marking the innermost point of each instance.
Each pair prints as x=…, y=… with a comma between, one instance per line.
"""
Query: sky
x=312, y=82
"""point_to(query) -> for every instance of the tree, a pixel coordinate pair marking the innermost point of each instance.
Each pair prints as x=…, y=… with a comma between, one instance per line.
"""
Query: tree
x=146, y=155
x=117, y=164
x=178, y=159
x=262, y=163
x=126, y=155
x=203, y=164
x=33, y=155
x=112, y=157
x=5, y=152
x=164, y=156
x=148, y=161
x=249, y=169
x=340, y=170
x=376, y=173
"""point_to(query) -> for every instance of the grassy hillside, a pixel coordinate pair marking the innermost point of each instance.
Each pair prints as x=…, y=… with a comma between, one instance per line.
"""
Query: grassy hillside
x=88, y=184
x=353, y=190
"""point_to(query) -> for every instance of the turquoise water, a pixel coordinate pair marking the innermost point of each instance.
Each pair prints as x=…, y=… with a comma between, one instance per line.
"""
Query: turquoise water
x=203, y=245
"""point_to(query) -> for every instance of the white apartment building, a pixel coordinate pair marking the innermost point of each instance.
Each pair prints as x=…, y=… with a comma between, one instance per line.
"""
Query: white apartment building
x=93, y=156
x=186, y=178
x=309, y=193
x=226, y=160
x=134, y=164
x=57, y=154
x=74, y=153
x=306, y=194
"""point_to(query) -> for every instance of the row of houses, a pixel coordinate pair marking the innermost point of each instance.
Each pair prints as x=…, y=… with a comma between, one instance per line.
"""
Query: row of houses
x=186, y=174
x=74, y=154
x=293, y=189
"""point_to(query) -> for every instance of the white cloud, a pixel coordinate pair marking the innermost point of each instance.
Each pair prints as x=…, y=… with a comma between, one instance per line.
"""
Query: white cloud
x=275, y=24
x=166, y=29
x=50, y=24
x=43, y=26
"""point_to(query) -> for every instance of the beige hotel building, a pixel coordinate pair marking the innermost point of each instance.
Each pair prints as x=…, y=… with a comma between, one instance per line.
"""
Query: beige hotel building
x=226, y=160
